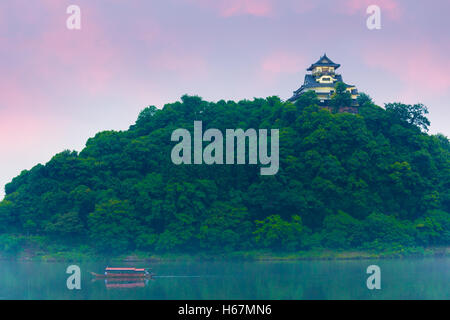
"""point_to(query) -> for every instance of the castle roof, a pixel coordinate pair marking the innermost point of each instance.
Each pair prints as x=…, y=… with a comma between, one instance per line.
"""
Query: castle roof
x=324, y=61
x=310, y=82
x=313, y=81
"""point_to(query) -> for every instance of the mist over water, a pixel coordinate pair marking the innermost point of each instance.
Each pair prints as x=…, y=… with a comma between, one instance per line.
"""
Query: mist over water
x=400, y=279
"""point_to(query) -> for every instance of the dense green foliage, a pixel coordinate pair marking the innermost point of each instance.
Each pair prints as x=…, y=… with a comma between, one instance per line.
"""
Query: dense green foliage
x=340, y=98
x=345, y=181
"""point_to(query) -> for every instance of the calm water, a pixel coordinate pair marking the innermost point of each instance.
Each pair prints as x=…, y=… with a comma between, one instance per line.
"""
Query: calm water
x=400, y=279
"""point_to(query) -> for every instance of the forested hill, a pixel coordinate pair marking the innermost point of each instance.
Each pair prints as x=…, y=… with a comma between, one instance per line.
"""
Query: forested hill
x=370, y=180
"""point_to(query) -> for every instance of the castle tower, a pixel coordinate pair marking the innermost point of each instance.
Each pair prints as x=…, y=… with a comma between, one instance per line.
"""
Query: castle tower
x=322, y=79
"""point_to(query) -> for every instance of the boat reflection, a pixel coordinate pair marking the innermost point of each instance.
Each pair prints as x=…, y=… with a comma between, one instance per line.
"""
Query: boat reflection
x=124, y=283
x=124, y=277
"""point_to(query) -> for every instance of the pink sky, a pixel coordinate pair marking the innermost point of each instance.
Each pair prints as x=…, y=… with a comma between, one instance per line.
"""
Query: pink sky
x=59, y=87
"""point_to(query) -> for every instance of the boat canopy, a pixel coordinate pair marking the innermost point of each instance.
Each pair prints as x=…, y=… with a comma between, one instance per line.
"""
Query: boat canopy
x=124, y=270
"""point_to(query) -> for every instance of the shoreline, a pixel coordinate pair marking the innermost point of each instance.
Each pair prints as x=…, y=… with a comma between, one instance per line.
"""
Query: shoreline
x=249, y=256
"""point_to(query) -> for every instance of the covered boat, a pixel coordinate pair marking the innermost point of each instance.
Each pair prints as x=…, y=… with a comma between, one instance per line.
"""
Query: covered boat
x=131, y=273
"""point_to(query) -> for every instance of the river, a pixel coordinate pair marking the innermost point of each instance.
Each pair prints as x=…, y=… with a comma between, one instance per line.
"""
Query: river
x=427, y=278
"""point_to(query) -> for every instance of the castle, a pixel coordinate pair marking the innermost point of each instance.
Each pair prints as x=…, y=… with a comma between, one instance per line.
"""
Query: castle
x=322, y=80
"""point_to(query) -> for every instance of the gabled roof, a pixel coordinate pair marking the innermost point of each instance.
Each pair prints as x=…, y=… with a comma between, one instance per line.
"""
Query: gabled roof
x=311, y=83
x=324, y=61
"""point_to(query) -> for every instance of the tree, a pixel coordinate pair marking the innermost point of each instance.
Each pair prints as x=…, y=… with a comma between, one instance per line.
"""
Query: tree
x=145, y=115
x=67, y=226
x=342, y=231
x=339, y=174
x=443, y=141
x=387, y=229
x=10, y=244
x=340, y=98
x=412, y=114
x=278, y=234
x=7, y=218
x=307, y=99
x=434, y=228
x=112, y=226
x=226, y=227
x=364, y=98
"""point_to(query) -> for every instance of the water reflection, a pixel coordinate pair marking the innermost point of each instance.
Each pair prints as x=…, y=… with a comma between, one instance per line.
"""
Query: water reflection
x=124, y=283
x=400, y=279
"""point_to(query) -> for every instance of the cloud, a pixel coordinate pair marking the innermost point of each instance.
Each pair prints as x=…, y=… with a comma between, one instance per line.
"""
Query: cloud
x=279, y=66
x=183, y=64
x=260, y=8
x=25, y=119
x=424, y=71
x=303, y=6
x=84, y=58
x=283, y=62
x=229, y=8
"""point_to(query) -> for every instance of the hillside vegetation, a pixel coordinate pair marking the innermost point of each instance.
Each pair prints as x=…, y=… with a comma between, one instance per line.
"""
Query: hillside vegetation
x=374, y=180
